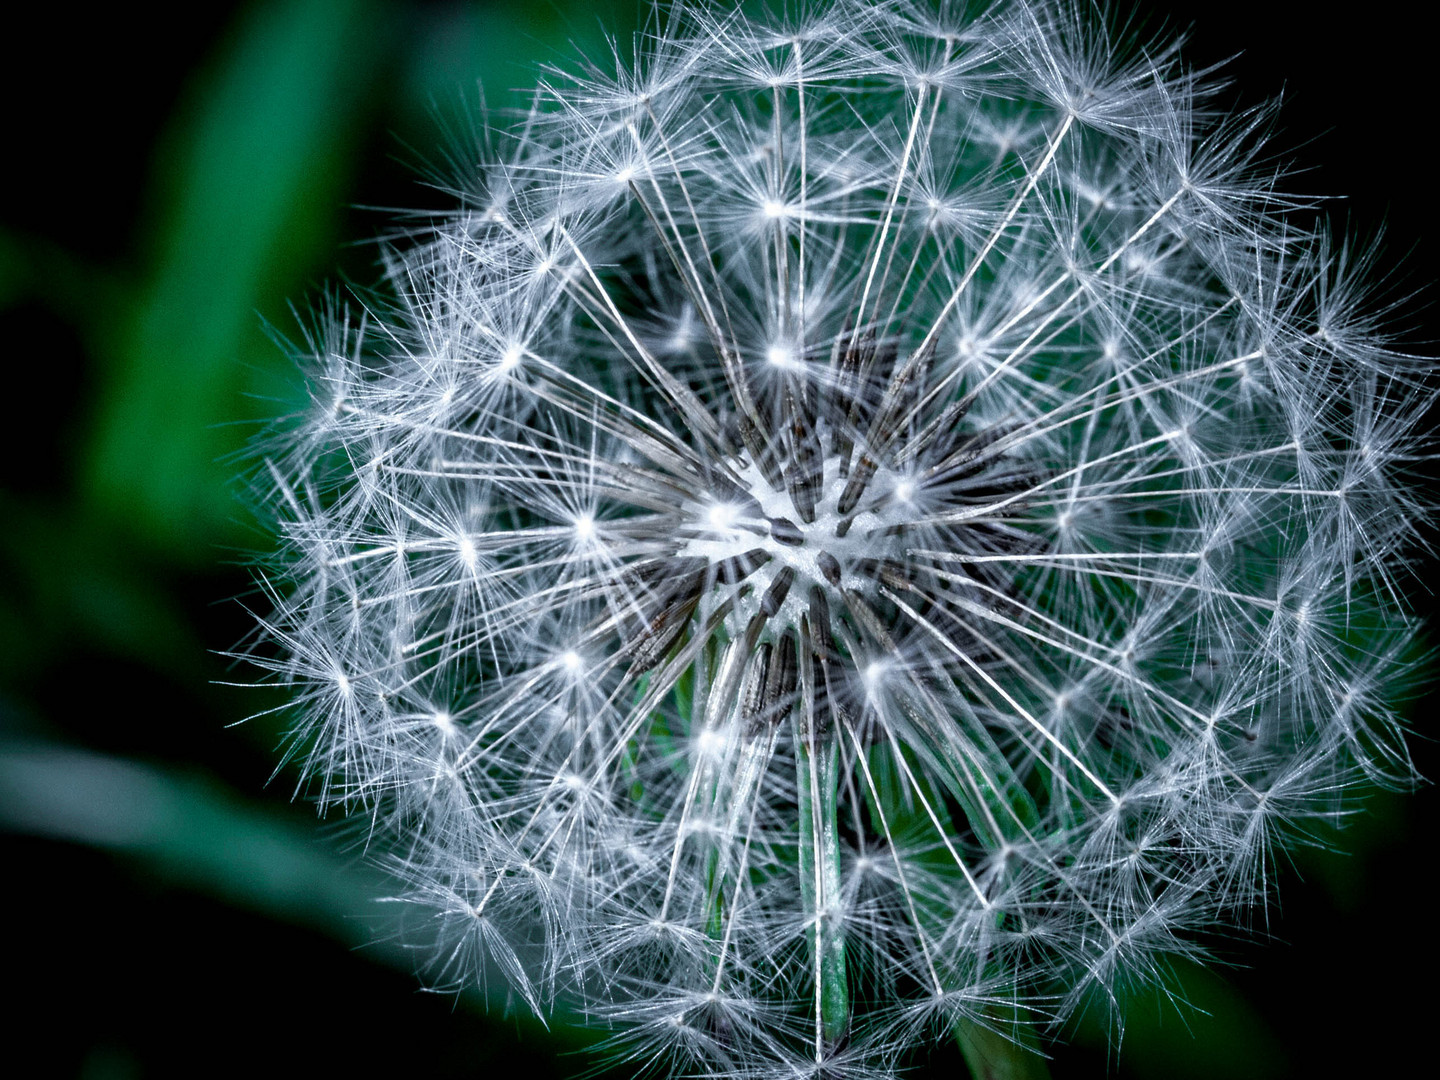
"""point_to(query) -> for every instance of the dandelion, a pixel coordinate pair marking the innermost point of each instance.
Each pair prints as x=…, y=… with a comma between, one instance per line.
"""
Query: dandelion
x=861, y=524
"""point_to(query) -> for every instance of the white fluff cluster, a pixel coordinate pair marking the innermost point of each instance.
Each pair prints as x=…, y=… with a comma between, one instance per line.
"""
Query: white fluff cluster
x=862, y=521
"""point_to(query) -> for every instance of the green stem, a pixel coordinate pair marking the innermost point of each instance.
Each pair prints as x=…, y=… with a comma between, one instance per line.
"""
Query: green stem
x=817, y=776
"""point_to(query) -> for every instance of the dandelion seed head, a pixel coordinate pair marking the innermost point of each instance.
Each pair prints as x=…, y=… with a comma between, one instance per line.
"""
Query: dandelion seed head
x=949, y=529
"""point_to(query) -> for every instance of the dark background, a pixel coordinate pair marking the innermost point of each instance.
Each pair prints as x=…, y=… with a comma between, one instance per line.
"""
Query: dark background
x=170, y=185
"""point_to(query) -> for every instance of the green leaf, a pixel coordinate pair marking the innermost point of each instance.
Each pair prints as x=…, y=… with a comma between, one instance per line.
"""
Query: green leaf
x=255, y=176
x=992, y=1056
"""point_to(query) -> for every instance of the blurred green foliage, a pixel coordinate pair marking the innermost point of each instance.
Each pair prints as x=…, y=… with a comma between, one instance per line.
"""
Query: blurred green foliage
x=252, y=176
x=178, y=186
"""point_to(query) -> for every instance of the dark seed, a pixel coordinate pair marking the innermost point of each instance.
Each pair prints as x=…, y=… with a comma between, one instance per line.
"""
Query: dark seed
x=780, y=679
x=857, y=483
x=778, y=590
x=786, y=531
x=752, y=697
x=656, y=640
x=738, y=567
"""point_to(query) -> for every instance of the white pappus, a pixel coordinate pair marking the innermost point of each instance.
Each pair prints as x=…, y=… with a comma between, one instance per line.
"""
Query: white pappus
x=861, y=522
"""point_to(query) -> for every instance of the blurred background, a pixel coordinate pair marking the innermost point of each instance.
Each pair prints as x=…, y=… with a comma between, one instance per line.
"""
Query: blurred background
x=174, y=186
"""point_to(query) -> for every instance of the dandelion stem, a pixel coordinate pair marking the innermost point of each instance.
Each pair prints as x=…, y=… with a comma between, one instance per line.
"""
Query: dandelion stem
x=817, y=774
